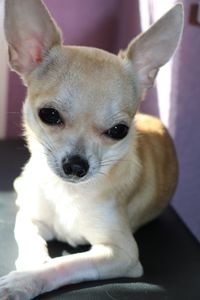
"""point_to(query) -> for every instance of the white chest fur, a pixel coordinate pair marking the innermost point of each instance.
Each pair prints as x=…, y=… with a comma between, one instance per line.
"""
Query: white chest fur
x=67, y=212
x=80, y=215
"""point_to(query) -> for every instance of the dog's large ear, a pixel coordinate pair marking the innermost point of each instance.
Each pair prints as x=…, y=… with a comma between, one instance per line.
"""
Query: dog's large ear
x=30, y=33
x=152, y=49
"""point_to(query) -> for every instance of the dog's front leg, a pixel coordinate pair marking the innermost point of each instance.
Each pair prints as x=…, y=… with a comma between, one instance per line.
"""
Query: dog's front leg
x=101, y=262
x=32, y=247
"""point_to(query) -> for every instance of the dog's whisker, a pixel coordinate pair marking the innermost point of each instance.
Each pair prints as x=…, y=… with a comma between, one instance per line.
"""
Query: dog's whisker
x=111, y=161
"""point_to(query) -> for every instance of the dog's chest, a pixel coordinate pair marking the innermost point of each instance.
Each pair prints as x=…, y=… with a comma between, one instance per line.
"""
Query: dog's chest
x=67, y=216
x=67, y=224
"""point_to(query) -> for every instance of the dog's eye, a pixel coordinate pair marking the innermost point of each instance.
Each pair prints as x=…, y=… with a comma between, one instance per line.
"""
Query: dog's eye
x=117, y=132
x=50, y=116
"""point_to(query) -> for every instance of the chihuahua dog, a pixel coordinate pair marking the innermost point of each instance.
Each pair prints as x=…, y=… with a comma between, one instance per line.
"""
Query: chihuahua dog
x=98, y=169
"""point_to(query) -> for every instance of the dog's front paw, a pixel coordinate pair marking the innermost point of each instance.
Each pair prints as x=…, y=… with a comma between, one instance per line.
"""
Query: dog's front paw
x=20, y=286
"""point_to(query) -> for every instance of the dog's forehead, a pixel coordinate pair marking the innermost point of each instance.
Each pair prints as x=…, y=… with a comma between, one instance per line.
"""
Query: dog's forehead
x=93, y=69
x=94, y=77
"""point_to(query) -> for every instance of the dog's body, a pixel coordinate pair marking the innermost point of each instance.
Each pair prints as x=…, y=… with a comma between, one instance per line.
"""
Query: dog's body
x=98, y=170
x=64, y=208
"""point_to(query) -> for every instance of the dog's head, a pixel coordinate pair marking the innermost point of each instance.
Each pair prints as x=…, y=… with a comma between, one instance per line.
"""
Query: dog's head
x=81, y=101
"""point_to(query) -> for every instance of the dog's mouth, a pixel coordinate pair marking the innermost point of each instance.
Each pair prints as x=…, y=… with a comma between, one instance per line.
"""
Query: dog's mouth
x=75, y=180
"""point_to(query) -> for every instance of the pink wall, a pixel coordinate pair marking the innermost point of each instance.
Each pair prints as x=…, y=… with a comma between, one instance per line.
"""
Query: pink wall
x=185, y=123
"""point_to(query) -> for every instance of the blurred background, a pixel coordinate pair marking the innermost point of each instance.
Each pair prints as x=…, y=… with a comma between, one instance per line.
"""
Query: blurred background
x=110, y=25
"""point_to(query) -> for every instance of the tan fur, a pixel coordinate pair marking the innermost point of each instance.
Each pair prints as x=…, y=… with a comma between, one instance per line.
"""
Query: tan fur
x=129, y=180
x=155, y=148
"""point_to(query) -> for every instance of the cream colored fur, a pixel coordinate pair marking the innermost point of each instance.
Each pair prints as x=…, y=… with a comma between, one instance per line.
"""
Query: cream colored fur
x=129, y=182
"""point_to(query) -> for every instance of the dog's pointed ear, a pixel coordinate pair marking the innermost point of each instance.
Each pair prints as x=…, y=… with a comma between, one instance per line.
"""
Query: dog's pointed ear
x=152, y=49
x=30, y=33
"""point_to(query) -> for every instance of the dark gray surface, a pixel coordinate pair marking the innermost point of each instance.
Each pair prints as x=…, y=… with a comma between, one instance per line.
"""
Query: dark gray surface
x=13, y=155
x=169, y=253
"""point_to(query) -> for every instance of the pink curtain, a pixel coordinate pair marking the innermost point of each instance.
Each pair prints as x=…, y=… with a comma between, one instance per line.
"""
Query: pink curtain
x=184, y=112
x=185, y=122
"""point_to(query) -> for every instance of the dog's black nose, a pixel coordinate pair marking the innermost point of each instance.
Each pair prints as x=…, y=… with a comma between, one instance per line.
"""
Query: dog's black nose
x=76, y=166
